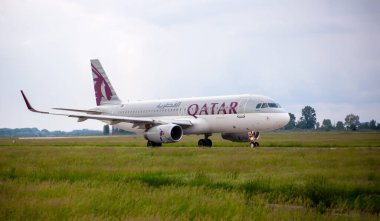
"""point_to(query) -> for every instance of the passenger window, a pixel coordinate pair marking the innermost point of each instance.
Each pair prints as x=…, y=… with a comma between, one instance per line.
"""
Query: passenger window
x=258, y=105
x=265, y=105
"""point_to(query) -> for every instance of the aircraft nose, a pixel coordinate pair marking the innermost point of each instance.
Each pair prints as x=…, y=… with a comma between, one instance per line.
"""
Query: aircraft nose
x=284, y=120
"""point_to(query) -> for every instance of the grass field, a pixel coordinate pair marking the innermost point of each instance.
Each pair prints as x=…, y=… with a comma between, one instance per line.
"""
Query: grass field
x=118, y=178
x=316, y=139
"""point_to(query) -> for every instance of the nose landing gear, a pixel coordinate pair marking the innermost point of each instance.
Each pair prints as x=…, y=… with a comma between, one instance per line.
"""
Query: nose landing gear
x=253, y=137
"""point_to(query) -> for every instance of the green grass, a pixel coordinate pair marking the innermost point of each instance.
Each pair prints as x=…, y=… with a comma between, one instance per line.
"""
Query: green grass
x=310, y=139
x=41, y=181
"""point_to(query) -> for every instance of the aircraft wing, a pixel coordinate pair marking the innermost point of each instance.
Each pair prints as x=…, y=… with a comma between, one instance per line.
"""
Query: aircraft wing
x=140, y=122
x=78, y=110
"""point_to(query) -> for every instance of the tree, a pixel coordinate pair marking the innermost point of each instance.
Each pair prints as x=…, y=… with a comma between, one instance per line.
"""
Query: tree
x=326, y=124
x=308, y=119
x=352, y=121
x=106, y=130
x=292, y=122
x=339, y=125
x=364, y=126
x=118, y=131
x=372, y=125
x=115, y=130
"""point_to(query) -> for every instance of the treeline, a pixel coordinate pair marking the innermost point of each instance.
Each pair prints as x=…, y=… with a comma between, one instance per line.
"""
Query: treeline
x=308, y=121
x=34, y=132
x=115, y=131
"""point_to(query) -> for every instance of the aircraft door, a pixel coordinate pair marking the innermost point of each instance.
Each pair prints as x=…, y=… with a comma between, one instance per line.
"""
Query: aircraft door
x=241, y=108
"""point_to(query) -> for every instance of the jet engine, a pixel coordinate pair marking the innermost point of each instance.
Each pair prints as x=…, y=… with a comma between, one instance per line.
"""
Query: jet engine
x=236, y=137
x=166, y=133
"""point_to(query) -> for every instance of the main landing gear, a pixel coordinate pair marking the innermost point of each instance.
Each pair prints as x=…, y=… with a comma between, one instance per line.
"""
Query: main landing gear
x=205, y=142
x=253, y=137
x=153, y=144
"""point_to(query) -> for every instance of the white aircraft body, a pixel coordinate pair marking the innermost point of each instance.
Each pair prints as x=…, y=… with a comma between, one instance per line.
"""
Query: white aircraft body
x=238, y=118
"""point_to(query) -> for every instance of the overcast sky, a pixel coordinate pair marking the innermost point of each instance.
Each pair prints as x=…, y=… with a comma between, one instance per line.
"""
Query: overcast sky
x=325, y=54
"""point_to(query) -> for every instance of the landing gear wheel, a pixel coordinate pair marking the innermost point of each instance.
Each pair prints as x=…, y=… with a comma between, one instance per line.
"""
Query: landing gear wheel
x=204, y=143
x=153, y=144
x=254, y=144
x=201, y=143
x=208, y=143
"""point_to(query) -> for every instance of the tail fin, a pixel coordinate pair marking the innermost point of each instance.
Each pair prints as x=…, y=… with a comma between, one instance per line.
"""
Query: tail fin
x=104, y=92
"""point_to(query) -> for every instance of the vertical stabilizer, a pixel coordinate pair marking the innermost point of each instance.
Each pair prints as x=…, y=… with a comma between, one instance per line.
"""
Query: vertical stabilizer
x=104, y=92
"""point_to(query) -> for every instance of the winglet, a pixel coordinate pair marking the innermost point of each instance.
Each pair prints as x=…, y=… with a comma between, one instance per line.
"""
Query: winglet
x=30, y=106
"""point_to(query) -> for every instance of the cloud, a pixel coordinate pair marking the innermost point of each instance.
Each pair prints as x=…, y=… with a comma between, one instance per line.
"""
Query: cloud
x=319, y=53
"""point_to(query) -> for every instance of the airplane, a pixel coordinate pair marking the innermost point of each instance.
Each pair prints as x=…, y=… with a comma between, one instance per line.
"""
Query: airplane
x=239, y=118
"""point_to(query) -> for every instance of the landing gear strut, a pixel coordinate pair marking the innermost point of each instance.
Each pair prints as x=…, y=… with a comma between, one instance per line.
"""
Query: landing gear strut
x=205, y=142
x=253, y=137
x=153, y=144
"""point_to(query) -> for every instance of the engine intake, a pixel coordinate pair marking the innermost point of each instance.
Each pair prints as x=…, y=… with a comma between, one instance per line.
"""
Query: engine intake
x=167, y=133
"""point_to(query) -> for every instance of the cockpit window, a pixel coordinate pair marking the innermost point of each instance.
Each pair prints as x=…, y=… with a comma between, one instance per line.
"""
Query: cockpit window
x=258, y=105
x=268, y=105
x=272, y=105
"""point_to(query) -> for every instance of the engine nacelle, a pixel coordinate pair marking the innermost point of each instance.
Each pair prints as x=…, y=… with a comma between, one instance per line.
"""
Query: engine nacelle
x=236, y=137
x=167, y=133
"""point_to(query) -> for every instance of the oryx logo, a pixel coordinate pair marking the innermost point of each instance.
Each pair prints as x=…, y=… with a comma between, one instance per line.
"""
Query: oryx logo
x=102, y=89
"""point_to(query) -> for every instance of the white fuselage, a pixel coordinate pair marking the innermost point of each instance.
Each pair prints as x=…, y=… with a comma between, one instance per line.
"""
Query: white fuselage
x=231, y=114
x=236, y=117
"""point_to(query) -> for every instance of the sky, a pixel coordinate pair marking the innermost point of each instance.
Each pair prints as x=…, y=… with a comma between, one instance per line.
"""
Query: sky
x=322, y=53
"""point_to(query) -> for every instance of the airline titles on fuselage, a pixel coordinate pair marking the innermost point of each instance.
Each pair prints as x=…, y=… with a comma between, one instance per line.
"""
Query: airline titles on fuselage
x=212, y=108
x=169, y=105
